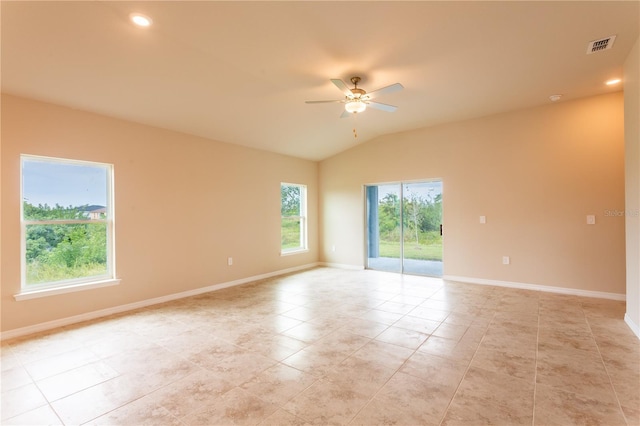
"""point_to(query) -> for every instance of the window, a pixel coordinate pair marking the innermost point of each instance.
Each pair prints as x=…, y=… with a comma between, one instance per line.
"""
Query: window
x=293, y=225
x=67, y=223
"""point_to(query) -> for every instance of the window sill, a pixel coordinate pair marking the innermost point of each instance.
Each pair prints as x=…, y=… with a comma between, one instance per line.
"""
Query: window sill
x=292, y=252
x=46, y=292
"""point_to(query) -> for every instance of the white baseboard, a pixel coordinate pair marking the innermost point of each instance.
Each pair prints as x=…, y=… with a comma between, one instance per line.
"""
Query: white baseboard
x=36, y=328
x=537, y=287
x=632, y=325
x=342, y=266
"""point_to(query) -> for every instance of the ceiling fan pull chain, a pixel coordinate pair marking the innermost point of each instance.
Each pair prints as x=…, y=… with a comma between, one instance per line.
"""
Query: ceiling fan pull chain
x=355, y=132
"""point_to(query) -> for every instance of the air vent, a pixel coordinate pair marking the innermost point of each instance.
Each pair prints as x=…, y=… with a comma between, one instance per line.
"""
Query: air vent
x=601, y=44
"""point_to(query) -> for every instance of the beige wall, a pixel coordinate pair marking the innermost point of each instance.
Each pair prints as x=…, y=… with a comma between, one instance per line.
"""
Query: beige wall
x=183, y=205
x=535, y=174
x=632, y=181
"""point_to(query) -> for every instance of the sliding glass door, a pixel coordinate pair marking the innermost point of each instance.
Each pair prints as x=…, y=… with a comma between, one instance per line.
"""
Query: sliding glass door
x=404, y=224
x=384, y=228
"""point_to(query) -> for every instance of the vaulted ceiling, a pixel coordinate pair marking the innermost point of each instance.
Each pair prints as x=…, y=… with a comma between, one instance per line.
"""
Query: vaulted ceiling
x=240, y=72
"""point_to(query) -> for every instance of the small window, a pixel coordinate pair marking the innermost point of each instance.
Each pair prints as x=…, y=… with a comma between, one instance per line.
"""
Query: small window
x=67, y=223
x=293, y=225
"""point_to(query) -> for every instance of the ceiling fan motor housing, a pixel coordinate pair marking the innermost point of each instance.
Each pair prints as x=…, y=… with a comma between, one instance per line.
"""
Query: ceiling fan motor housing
x=358, y=93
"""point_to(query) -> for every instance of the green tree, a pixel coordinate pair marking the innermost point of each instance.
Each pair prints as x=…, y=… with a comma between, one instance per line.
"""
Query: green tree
x=82, y=245
x=56, y=251
x=389, y=217
x=432, y=214
x=413, y=208
x=46, y=212
x=290, y=196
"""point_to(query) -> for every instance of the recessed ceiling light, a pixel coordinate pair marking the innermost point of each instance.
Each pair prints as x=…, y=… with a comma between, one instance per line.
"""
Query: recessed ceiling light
x=555, y=98
x=612, y=82
x=140, y=20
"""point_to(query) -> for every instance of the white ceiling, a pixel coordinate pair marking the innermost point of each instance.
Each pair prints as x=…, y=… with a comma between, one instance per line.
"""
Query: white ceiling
x=239, y=72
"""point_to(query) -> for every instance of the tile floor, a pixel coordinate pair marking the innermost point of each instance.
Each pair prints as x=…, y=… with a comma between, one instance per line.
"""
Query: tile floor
x=330, y=346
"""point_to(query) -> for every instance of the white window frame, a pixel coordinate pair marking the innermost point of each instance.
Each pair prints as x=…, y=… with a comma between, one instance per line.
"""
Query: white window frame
x=302, y=217
x=30, y=291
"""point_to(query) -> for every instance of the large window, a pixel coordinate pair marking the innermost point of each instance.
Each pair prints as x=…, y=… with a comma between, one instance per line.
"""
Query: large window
x=293, y=225
x=67, y=223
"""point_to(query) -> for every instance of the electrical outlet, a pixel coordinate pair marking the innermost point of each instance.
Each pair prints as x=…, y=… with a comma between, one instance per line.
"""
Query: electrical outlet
x=591, y=219
x=229, y=261
x=333, y=247
x=483, y=219
x=506, y=260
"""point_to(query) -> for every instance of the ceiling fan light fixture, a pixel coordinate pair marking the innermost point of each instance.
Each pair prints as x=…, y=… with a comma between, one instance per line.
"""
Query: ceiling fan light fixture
x=357, y=100
x=355, y=106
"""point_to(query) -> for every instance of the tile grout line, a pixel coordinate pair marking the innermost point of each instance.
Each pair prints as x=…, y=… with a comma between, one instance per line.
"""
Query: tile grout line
x=444, y=415
x=34, y=383
x=624, y=416
x=535, y=371
x=282, y=406
x=478, y=336
x=401, y=365
x=394, y=373
x=146, y=394
x=349, y=356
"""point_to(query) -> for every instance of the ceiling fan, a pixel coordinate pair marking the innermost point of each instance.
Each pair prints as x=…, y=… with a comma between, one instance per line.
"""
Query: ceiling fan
x=356, y=100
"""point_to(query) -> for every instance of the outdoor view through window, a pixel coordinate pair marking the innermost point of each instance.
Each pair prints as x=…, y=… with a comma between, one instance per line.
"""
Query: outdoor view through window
x=67, y=224
x=404, y=231
x=293, y=225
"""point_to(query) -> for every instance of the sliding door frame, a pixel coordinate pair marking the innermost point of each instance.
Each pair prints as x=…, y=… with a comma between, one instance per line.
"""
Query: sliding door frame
x=367, y=215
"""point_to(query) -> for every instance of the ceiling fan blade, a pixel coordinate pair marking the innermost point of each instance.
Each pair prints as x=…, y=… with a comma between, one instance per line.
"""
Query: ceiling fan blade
x=384, y=90
x=383, y=107
x=323, y=102
x=342, y=87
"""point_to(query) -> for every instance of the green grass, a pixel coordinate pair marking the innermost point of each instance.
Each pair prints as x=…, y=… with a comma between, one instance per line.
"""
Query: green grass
x=412, y=250
x=38, y=272
x=290, y=233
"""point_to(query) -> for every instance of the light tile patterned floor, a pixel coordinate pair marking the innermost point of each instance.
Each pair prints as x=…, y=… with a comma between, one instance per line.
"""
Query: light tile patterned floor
x=330, y=346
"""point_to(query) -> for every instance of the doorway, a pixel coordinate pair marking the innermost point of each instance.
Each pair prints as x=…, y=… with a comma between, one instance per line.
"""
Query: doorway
x=404, y=227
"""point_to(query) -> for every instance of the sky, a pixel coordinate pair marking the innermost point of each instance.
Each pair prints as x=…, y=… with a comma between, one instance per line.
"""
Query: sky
x=67, y=184
x=423, y=190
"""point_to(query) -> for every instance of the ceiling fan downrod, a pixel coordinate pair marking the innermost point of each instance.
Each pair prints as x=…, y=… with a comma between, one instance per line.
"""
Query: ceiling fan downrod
x=357, y=92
